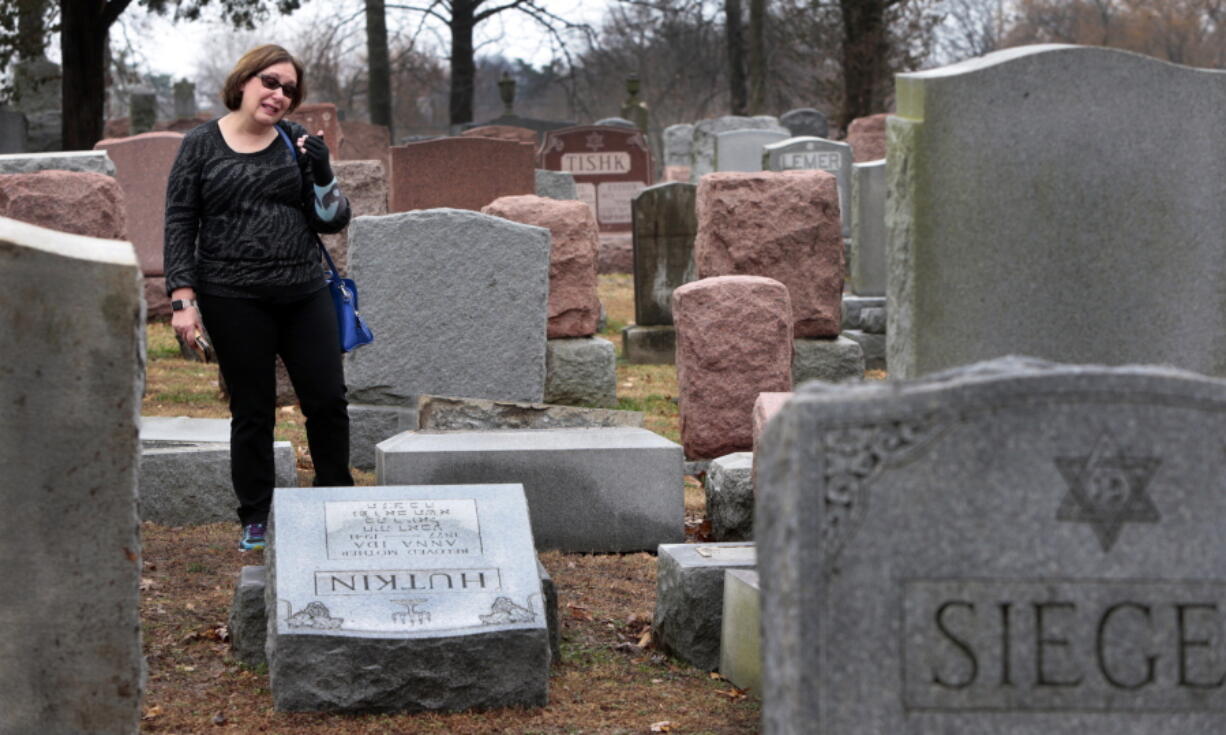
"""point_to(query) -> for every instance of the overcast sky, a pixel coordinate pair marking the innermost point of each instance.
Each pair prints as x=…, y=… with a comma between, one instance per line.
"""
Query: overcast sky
x=175, y=49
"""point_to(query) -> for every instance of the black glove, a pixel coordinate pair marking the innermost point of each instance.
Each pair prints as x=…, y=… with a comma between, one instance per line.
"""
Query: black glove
x=317, y=157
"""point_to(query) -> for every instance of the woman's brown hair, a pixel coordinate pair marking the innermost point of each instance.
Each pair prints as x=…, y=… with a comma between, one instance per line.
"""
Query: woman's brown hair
x=253, y=62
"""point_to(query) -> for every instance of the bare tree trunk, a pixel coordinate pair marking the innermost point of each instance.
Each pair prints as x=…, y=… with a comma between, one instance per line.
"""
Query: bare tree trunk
x=84, y=25
x=463, y=67
x=736, y=57
x=757, y=57
x=380, y=93
x=864, y=51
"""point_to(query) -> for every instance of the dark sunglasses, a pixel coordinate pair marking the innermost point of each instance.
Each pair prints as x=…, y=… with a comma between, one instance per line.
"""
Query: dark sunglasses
x=271, y=82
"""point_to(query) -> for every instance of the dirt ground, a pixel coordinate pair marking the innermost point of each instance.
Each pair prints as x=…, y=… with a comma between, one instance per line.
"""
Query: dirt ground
x=610, y=678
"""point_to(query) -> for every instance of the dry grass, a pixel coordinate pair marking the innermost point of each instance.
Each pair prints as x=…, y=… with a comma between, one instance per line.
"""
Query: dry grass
x=606, y=682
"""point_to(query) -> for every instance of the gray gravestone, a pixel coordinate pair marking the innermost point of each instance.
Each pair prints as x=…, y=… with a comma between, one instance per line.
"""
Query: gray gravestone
x=458, y=304
x=556, y=184
x=72, y=332
x=1016, y=227
x=143, y=106
x=38, y=92
x=14, y=129
x=581, y=370
x=616, y=122
x=805, y=121
x=185, y=99
x=740, y=641
x=702, y=152
x=438, y=413
x=729, y=491
x=690, y=598
x=665, y=224
x=190, y=483
x=830, y=359
x=815, y=153
x=867, y=269
x=600, y=489
x=741, y=150
x=404, y=598
x=97, y=162
x=678, y=144
x=1010, y=547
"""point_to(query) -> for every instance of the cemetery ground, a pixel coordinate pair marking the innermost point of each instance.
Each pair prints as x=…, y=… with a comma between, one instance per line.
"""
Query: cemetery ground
x=610, y=678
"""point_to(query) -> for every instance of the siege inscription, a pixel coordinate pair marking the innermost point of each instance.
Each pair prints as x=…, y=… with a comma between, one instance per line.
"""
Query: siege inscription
x=1074, y=645
x=402, y=529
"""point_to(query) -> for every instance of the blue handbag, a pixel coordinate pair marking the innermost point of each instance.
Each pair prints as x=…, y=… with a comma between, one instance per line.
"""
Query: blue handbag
x=353, y=330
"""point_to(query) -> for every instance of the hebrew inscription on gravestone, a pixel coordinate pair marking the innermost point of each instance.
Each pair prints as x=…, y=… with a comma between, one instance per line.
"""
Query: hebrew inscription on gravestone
x=610, y=165
x=1010, y=547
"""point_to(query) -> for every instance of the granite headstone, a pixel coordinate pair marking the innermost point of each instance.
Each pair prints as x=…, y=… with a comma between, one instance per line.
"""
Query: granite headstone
x=741, y=150
x=805, y=121
x=815, y=153
x=866, y=269
x=142, y=168
x=664, y=228
x=610, y=165
x=702, y=150
x=458, y=173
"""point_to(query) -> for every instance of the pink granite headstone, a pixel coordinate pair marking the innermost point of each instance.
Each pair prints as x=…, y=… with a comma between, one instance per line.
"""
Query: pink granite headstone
x=142, y=167
x=321, y=116
x=69, y=201
x=734, y=341
x=461, y=173
x=574, y=308
x=365, y=186
x=779, y=224
x=764, y=408
x=364, y=141
x=503, y=132
x=866, y=136
x=610, y=165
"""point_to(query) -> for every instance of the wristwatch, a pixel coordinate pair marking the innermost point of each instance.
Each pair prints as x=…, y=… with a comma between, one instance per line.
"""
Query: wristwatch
x=181, y=304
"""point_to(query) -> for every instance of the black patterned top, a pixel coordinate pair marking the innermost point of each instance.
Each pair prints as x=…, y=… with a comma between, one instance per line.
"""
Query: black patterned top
x=242, y=224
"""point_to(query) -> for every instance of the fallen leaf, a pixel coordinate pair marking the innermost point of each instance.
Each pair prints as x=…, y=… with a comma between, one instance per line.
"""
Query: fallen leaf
x=151, y=712
x=716, y=675
x=577, y=612
x=146, y=584
x=645, y=639
x=733, y=694
x=662, y=726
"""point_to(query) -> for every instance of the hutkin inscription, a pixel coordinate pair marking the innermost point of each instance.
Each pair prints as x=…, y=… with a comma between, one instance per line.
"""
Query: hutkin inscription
x=1064, y=645
x=402, y=528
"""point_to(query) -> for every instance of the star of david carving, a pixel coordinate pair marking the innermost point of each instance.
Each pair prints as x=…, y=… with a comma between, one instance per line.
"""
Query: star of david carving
x=594, y=141
x=1106, y=490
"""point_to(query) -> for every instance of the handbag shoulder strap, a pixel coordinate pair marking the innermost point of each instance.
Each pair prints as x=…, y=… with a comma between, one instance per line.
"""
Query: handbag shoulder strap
x=293, y=152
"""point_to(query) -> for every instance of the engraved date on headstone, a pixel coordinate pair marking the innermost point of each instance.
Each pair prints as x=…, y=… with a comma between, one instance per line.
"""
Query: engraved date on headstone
x=402, y=528
x=1064, y=645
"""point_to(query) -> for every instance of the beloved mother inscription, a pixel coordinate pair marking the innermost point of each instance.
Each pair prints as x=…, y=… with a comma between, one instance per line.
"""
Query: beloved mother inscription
x=1011, y=547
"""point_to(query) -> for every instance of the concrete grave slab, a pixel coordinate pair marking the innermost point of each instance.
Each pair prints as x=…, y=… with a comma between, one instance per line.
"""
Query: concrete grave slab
x=600, y=489
x=1009, y=547
x=690, y=598
x=404, y=599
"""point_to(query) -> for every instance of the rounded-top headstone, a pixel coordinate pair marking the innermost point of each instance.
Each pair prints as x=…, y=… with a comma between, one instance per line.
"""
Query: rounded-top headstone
x=734, y=341
x=783, y=225
x=805, y=121
x=574, y=308
x=616, y=122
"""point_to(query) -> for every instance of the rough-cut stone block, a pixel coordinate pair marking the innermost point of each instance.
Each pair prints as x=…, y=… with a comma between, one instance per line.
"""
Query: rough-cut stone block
x=590, y=490
x=362, y=617
x=78, y=203
x=555, y=184
x=782, y=225
x=740, y=649
x=573, y=306
x=872, y=345
x=581, y=371
x=72, y=339
x=1009, y=547
x=364, y=184
x=248, y=620
x=866, y=313
x=795, y=154
x=459, y=173
x=866, y=136
x=805, y=121
x=690, y=598
x=830, y=360
x=650, y=345
x=867, y=271
x=734, y=341
x=371, y=424
x=665, y=224
x=1016, y=228
x=438, y=413
x=472, y=322
x=729, y=490
x=616, y=253
x=94, y=162
x=142, y=167
x=189, y=483
x=702, y=151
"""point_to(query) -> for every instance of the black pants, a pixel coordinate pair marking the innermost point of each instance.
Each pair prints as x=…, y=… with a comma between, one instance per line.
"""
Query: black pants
x=248, y=334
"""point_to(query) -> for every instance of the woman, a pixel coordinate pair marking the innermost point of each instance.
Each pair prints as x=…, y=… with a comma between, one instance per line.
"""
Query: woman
x=242, y=210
